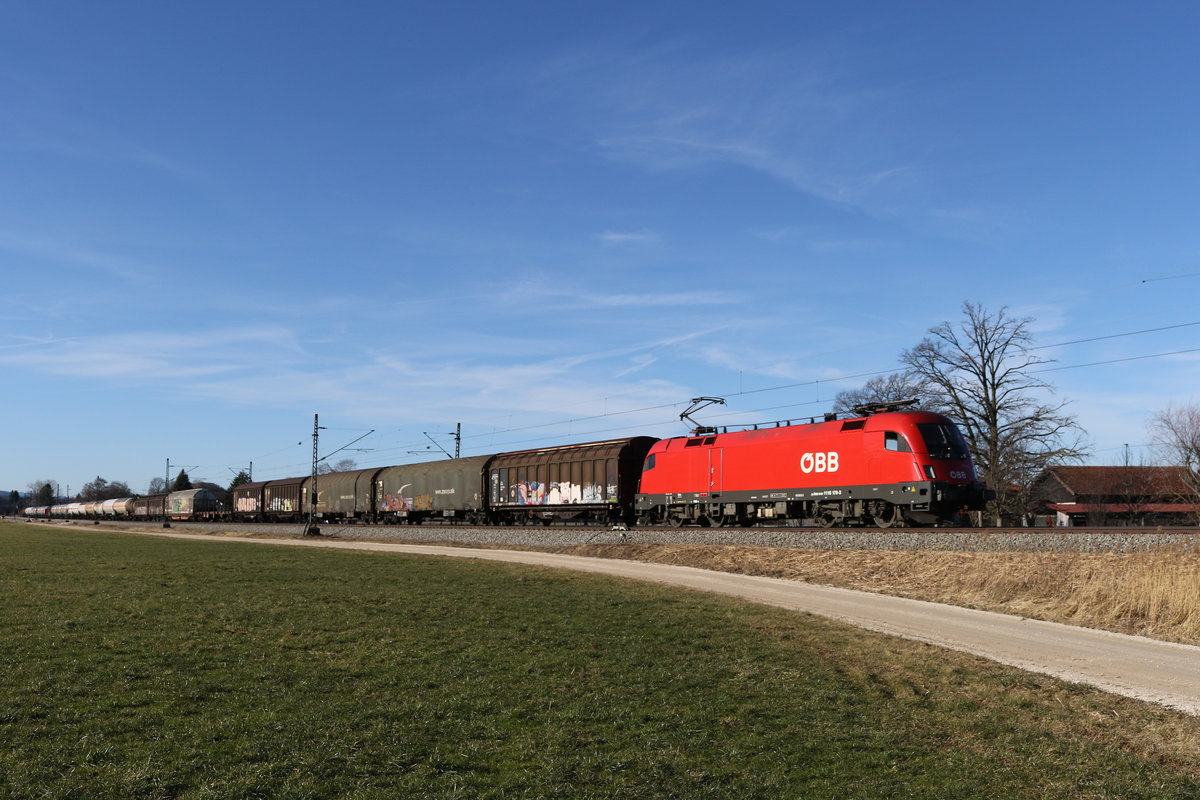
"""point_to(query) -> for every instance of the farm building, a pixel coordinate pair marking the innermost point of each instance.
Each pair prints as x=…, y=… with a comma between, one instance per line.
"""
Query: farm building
x=1120, y=496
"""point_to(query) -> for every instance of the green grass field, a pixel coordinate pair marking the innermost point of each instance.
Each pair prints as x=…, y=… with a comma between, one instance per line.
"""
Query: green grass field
x=135, y=666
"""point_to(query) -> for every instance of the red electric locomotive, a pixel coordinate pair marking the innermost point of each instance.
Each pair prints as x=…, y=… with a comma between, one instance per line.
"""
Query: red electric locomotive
x=883, y=466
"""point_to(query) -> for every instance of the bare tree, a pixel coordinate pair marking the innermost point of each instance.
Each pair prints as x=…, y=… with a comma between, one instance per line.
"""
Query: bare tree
x=980, y=374
x=100, y=489
x=344, y=465
x=157, y=486
x=42, y=493
x=46, y=495
x=1175, y=432
x=905, y=385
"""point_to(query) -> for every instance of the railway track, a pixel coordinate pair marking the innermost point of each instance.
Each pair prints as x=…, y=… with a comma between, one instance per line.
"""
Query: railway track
x=1081, y=540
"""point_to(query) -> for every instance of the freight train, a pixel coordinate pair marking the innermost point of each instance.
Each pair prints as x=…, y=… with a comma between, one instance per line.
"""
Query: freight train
x=882, y=465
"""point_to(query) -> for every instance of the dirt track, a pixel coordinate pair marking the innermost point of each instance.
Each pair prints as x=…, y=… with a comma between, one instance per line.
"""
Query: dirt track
x=1147, y=669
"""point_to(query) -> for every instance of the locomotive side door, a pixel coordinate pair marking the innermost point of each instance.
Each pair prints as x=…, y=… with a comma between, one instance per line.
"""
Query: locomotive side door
x=716, y=468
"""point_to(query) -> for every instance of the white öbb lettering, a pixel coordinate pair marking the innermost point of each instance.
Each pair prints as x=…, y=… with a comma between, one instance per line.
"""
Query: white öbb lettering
x=819, y=462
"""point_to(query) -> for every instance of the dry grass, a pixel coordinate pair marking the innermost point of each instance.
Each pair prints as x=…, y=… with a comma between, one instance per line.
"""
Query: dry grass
x=1150, y=594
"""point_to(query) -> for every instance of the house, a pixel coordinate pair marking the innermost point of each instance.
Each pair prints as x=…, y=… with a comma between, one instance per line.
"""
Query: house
x=1117, y=496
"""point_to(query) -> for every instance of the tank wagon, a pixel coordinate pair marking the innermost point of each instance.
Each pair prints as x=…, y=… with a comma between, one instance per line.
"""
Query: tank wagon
x=117, y=508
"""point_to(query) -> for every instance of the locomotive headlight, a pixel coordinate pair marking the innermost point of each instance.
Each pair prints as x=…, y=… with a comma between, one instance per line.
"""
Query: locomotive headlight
x=929, y=472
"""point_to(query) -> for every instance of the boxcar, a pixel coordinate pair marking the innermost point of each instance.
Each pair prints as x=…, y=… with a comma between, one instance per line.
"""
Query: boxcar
x=593, y=482
x=192, y=504
x=151, y=506
x=342, y=495
x=281, y=499
x=450, y=490
x=247, y=500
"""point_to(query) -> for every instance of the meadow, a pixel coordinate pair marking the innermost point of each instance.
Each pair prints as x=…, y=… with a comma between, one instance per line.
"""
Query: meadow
x=144, y=667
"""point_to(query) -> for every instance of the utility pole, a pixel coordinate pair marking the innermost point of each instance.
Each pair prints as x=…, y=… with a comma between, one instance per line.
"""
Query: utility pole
x=456, y=433
x=166, y=493
x=311, y=528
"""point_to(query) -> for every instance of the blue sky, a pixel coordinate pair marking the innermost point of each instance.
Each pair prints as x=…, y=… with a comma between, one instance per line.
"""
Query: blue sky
x=557, y=222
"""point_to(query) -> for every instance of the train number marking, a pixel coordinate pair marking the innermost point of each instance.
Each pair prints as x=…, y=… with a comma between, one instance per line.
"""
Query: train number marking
x=819, y=462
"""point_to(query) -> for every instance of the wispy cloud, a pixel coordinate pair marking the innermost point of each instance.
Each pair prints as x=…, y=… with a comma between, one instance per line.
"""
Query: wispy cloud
x=628, y=237
x=153, y=357
x=533, y=291
x=63, y=251
x=270, y=367
x=815, y=117
x=640, y=362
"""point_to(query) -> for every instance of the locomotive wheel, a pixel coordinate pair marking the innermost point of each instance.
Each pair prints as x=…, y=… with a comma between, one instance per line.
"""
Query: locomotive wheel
x=829, y=515
x=726, y=520
x=674, y=520
x=890, y=517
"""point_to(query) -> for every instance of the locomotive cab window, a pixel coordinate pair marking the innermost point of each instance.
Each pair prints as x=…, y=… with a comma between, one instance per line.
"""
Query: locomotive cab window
x=649, y=465
x=943, y=441
x=895, y=442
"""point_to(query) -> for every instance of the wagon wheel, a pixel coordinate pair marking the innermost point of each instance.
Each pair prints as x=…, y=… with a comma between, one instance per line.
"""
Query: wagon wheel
x=888, y=516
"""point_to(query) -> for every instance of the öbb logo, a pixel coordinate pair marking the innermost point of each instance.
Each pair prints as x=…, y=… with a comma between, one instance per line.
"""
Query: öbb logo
x=819, y=462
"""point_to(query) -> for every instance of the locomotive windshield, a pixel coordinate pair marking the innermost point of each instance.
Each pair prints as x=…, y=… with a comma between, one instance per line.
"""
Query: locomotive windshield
x=943, y=441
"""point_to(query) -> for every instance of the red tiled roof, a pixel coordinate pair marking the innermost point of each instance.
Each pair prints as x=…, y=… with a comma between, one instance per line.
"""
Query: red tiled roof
x=1122, y=480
